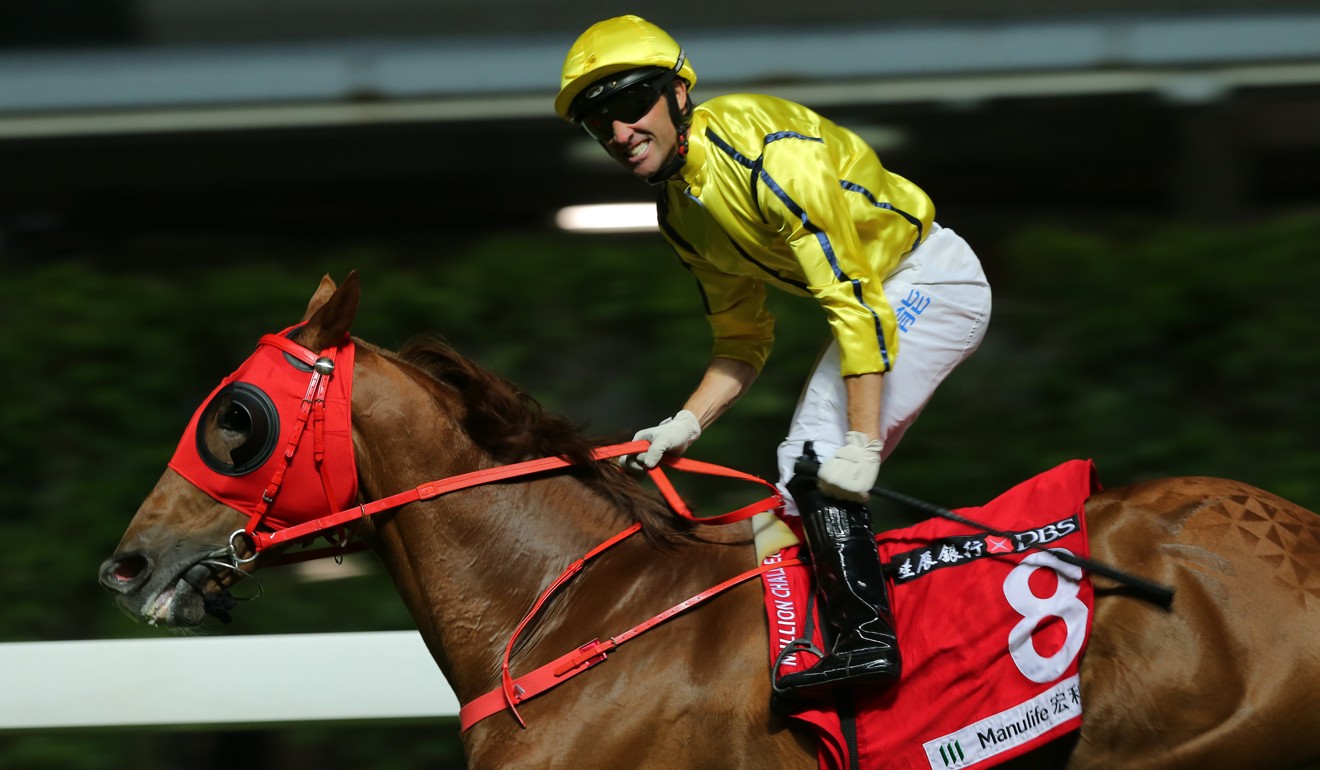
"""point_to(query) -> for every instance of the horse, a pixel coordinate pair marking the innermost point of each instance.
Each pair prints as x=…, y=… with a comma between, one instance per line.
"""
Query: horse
x=1221, y=679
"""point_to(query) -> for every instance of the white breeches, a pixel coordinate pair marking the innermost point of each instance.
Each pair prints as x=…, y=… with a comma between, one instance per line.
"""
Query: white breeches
x=942, y=299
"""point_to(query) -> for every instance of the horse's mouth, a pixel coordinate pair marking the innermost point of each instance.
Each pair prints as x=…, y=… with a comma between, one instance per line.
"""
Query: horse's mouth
x=196, y=590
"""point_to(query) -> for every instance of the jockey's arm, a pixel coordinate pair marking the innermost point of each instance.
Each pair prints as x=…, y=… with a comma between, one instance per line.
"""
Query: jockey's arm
x=864, y=394
x=724, y=382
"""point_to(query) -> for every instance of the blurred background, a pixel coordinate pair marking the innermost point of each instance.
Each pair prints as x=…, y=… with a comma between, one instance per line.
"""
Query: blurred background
x=1141, y=180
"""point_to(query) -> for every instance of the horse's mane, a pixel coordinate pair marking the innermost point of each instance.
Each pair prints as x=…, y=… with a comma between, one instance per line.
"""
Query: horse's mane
x=513, y=426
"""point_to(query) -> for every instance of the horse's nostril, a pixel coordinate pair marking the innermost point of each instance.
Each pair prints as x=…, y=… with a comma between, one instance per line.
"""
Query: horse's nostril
x=123, y=572
x=129, y=568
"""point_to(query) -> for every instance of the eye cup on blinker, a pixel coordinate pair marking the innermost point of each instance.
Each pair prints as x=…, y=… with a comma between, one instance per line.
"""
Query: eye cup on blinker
x=238, y=430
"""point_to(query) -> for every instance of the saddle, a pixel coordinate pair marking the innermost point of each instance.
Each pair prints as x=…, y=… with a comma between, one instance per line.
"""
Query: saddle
x=991, y=629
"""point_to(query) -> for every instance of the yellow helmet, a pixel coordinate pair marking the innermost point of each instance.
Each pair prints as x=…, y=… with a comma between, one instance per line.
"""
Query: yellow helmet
x=617, y=45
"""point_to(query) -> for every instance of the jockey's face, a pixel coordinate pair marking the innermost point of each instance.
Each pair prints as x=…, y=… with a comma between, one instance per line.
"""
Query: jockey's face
x=645, y=145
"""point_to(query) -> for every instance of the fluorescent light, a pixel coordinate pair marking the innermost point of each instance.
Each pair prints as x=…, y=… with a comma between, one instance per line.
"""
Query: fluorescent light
x=608, y=218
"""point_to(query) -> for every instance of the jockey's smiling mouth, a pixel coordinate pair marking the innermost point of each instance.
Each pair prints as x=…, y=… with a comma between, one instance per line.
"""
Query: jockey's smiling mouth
x=647, y=144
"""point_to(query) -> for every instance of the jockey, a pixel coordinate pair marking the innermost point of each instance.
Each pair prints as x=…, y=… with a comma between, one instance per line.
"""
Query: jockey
x=755, y=190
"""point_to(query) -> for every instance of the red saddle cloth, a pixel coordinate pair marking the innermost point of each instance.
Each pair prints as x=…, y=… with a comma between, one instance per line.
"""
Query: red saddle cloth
x=990, y=631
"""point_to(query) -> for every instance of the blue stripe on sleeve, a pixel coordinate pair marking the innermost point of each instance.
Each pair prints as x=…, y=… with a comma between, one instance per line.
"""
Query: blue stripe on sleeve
x=755, y=166
x=854, y=187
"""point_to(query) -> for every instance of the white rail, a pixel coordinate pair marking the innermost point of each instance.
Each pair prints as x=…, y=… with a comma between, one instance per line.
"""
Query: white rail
x=238, y=679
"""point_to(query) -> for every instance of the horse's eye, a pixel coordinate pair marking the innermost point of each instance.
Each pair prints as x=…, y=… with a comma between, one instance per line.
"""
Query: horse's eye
x=235, y=418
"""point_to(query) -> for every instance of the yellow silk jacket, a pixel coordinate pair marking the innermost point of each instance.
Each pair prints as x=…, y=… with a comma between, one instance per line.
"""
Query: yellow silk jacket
x=773, y=193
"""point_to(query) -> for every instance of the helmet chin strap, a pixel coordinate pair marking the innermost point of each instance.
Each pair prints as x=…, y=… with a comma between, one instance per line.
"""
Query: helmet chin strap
x=682, y=119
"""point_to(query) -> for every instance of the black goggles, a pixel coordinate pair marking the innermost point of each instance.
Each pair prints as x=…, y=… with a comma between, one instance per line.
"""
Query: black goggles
x=629, y=106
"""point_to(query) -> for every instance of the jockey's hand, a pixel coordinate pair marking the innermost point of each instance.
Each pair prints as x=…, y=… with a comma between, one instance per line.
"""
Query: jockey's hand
x=672, y=436
x=851, y=472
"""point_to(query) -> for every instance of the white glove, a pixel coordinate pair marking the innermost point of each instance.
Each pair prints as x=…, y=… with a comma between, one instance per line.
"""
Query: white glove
x=851, y=472
x=669, y=437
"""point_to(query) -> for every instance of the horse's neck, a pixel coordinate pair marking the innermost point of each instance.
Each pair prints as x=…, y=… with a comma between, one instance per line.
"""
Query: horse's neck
x=469, y=570
x=469, y=565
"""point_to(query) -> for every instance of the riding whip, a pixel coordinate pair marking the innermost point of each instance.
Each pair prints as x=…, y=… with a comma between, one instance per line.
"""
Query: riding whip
x=808, y=464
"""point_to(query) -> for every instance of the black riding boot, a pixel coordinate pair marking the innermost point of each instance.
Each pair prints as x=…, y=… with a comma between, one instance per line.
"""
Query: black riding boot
x=860, y=642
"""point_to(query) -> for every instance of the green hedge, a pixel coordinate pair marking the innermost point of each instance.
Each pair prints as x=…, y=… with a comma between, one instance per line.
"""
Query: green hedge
x=1175, y=351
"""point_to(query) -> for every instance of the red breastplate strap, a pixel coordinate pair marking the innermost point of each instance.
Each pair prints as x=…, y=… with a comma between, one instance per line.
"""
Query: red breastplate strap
x=515, y=691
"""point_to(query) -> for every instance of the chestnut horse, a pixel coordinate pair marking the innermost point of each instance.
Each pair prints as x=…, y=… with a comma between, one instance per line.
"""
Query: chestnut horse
x=1222, y=679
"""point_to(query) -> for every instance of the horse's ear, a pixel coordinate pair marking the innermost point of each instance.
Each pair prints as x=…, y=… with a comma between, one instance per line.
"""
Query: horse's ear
x=320, y=296
x=330, y=313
